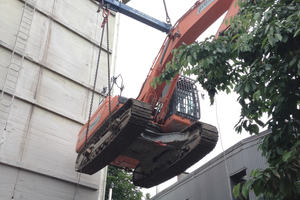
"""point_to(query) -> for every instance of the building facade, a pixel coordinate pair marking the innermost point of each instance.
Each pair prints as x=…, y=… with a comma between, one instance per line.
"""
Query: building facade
x=215, y=179
x=48, y=57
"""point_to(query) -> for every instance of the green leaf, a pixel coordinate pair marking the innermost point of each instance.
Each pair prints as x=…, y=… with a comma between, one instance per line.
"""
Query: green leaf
x=285, y=38
x=234, y=37
x=278, y=36
x=257, y=187
x=253, y=85
x=155, y=85
x=293, y=61
x=256, y=16
x=173, y=65
x=189, y=59
x=297, y=33
x=236, y=190
x=254, y=173
x=267, y=29
x=286, y=155
x=195, y=55
x=297, y=144
x=290, y=7
x=254, y=128
x=256, y=95
x=247, y=87
x=245, y=190
x=279, y=150
x=259, y=122
x=174, y=51
x=264, y=42
x=276, y=173
x=271, y=40
x=227, y=90
x=268, y=67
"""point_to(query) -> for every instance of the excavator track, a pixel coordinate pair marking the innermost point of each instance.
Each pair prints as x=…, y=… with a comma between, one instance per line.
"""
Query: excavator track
x=113, y=136
x=195, y=149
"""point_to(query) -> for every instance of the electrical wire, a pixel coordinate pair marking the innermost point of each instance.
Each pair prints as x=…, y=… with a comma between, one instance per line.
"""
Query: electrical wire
x=224, y=155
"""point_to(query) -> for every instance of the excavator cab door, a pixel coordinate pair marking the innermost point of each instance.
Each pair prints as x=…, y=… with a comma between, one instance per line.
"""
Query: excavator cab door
x=184, y=106
x=185, y=100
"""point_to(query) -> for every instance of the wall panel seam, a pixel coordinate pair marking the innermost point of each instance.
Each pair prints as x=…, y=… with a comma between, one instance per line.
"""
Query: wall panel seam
x=87, y=86
x=40, y=171
x=70, y=29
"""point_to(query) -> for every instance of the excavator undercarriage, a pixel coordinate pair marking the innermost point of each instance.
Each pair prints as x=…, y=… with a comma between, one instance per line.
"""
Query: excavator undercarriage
x=170, y=154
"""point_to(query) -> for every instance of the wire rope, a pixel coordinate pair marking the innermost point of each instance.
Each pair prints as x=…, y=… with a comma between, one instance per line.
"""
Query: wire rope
x=168, y=20
x=108, y=73
x=92, y=98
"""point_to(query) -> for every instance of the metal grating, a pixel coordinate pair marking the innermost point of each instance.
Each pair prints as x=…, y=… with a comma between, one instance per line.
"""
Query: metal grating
x=186, y=99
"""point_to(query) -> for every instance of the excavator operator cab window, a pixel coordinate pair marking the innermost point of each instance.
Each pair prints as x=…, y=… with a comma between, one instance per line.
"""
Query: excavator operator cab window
x=185, y=99
x=185, y=103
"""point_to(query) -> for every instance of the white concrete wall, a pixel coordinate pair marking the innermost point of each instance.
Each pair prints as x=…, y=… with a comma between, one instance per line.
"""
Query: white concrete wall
x=52, y=98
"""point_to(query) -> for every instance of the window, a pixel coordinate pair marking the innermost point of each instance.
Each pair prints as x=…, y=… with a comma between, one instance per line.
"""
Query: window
x=238, y=177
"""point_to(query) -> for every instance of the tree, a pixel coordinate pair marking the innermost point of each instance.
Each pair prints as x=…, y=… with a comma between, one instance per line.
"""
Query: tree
x=258, y=57
x=148, y=196
x=123, y=188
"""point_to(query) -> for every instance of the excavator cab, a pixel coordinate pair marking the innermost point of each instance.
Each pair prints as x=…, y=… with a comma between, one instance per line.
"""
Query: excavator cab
x=185, y=100
x=184, y=105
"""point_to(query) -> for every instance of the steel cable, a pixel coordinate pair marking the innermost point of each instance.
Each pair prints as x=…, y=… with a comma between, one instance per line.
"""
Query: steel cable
x=168, y=20
x=92, y=99
x=108, y=74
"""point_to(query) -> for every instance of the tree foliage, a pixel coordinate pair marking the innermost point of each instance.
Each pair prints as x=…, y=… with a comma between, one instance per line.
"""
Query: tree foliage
x=122, y=186
x=258, y=57
x=148, y=196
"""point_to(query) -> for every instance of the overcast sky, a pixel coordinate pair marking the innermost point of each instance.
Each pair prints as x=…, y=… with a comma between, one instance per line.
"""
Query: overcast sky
x=138, y=45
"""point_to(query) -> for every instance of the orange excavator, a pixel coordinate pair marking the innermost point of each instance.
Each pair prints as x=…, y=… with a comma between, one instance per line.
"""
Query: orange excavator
x=158, y=134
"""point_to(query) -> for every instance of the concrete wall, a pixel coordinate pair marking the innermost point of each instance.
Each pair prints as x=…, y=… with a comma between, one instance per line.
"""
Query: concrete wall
x=52, y=98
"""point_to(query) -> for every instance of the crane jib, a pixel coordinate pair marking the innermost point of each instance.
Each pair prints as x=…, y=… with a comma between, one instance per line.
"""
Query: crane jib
x=117, y=6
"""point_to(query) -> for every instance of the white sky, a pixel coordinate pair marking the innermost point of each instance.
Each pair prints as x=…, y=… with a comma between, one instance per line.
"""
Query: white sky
x=138, y=45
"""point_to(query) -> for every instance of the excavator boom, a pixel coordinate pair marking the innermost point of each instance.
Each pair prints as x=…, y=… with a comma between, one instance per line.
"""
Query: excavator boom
x=186, y=30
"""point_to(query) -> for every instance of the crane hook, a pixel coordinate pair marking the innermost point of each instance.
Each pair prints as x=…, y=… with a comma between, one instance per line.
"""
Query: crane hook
x=105, y=15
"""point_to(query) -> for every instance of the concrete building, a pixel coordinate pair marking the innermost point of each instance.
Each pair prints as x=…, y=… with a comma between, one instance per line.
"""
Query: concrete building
x=216, y=179
x=48, y=56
